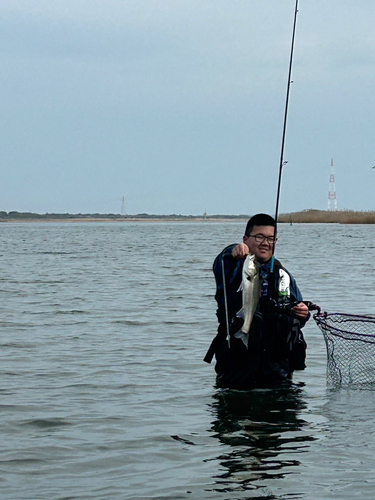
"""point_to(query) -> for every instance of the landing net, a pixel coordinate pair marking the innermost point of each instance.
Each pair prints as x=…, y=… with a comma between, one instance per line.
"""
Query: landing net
x=350, y=342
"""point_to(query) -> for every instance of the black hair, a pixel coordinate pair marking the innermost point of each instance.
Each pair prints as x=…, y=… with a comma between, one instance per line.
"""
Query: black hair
x=259, y=220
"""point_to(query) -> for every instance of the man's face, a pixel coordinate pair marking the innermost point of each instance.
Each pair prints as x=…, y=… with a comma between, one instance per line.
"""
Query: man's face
x=262, y=250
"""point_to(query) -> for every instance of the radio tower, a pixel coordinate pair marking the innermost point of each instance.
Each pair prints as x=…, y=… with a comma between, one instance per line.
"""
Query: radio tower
x=123, y=206
x=332, y=200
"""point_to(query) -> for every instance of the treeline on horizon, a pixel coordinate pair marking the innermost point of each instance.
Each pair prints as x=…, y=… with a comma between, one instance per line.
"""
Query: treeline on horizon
x=305, y=216
x=53, y=216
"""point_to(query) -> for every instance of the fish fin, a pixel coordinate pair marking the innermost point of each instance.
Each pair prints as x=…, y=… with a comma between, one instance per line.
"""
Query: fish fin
x=241, y=314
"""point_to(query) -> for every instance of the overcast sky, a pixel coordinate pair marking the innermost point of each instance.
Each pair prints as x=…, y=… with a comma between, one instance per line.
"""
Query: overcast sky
x=178, y=105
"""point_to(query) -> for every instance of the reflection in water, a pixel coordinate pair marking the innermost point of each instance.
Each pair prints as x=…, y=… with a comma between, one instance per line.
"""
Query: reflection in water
x=265, y=434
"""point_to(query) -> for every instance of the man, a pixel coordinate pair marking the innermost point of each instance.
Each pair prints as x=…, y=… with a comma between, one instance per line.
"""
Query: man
x=276, y=346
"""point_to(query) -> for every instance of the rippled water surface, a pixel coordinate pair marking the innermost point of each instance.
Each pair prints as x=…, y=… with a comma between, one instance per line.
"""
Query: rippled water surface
x=103, y=391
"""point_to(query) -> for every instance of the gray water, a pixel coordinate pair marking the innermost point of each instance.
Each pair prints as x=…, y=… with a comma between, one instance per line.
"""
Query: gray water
x=103, y=391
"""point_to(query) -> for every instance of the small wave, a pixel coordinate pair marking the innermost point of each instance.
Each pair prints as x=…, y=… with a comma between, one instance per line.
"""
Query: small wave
x=54, y=253
x=46, y=423
x=131, y=322
x=183, y=440
x=21, y=460
x=72, y=311
x=18, y=345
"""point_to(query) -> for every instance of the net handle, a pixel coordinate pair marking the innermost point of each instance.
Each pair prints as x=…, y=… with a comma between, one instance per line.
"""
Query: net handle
x=312, y=307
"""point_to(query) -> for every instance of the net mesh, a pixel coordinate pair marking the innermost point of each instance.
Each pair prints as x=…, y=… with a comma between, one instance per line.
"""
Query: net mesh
x=350, y=342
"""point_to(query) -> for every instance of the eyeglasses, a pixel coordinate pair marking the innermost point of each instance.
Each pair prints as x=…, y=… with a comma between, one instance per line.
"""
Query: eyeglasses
x=259, y=238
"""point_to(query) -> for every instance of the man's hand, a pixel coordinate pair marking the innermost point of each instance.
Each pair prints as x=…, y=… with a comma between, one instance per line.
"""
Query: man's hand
x=300, y=310
x=240, y=251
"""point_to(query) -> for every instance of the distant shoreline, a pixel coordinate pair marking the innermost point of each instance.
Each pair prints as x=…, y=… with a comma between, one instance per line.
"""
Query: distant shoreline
x=310, y=216
x=123, y=219
x=28, y=217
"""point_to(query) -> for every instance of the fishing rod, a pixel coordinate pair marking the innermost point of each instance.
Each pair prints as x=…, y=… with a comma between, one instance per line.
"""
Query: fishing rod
x=282, y=162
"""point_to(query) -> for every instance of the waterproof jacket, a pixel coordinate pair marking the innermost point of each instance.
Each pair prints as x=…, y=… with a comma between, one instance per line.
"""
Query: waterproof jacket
x=276, y=344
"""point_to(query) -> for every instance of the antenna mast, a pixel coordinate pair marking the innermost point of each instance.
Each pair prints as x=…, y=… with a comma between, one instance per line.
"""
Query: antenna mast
x=332, y=200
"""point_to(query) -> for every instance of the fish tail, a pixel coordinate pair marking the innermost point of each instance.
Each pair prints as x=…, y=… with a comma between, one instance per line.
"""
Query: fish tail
x=243, y=336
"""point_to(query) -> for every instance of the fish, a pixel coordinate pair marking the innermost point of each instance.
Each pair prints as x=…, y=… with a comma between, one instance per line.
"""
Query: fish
x=250, y=287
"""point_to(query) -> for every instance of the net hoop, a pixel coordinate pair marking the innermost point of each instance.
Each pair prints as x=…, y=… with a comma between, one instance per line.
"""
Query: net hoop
x=326, y=322
x=350, y=343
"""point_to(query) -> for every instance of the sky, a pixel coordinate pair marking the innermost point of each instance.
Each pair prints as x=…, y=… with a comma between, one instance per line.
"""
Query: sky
x=178, y=105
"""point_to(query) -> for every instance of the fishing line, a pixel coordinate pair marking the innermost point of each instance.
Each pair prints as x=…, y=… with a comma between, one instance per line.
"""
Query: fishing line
x=282, y=162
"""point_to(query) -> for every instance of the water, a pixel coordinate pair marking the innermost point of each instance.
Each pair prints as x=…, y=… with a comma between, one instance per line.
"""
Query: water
x=103, y=391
